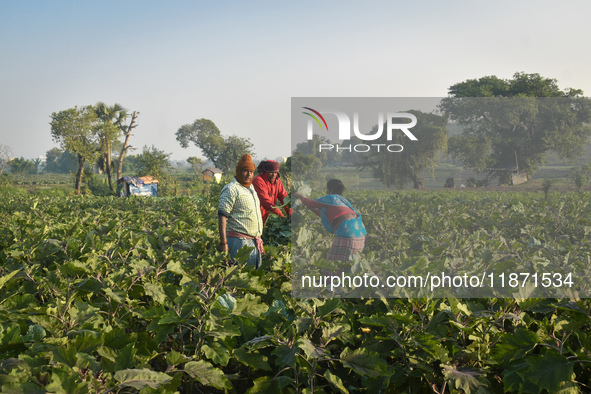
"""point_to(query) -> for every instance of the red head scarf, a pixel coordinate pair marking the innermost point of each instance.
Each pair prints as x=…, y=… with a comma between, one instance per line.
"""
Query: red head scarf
x=268, y=166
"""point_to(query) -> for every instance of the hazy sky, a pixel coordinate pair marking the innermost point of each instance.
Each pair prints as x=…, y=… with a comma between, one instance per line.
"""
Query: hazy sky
x=239, y=63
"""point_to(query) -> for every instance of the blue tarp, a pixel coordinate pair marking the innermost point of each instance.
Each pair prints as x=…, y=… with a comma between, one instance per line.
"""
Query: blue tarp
x=144, y=190
x=135, y=186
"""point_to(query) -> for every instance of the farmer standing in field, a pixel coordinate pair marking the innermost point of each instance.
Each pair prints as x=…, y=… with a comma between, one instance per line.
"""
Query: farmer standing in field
x=239, y=214
x=339, y=218
x=270, y=189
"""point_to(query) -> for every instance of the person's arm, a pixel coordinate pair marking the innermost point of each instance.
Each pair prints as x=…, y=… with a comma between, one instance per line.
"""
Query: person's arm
x=312, y=205
x=223, y=246
x=226, y=202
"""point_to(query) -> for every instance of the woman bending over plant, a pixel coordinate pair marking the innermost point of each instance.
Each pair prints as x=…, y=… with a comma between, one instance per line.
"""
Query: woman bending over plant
x=339, y=218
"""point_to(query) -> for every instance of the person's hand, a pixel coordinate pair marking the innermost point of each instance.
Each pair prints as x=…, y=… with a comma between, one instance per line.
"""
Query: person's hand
x=223, y=247
x=298, y=195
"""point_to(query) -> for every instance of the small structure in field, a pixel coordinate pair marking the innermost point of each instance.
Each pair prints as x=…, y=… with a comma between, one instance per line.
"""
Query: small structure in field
x=138, y=186
x=212, y=175
x=518, y=177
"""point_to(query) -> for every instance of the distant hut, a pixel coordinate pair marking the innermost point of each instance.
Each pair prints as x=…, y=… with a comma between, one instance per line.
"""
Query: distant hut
x=518, y=177
x=138, y=186
x=212, y=175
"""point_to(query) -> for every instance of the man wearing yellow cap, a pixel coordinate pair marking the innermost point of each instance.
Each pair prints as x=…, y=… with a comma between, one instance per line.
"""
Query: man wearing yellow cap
x=239, y=214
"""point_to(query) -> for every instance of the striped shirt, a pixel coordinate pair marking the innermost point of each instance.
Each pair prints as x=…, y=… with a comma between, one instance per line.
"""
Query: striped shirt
x=242, y=208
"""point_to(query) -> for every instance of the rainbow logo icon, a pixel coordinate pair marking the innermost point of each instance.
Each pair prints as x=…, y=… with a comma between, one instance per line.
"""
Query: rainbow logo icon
x=315, y=118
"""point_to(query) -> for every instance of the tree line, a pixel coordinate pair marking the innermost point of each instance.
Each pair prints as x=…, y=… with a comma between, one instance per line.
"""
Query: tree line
x=506, y=126
x=100, y=136
x=91, y=133
x=503, y=126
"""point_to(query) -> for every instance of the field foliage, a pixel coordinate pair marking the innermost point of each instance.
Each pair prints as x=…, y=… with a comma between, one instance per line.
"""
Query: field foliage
x=125, y=295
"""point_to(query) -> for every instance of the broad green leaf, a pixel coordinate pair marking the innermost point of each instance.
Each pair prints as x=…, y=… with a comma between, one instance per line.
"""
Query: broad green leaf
x=64, y=355
x=154, y=312
x=107, y=353
x=430, y=344
x=34, y=333
x=217, y=353
x=117, y=338
x=548, y=371
x=207, y=374
x=86, y=314
x=87, y=361
x=265, y=385
x=278, y=307
x=140, y=378
x=227, y=301
x=335, y=381
x=113, y=295
x=175, y=358
x=310, y=349
x=516, y=345
x=512, y=380
x=126, y=357
x=246, y=281
x=568, y=388
x=331, y=331
x=160, y=390
x=329, y=306
x=252, y=359
x=286, y=355
x=175, y=267
x=161, y=330
x=25, y=387
x=227, y=330
x=469, y=381
x=363, y=362
x=63, y=382
x=156, y=292
x=376, y=321
x=250, y=307
x=286, y=201
x=87, y=341
x=7, y=277
x=170, y=317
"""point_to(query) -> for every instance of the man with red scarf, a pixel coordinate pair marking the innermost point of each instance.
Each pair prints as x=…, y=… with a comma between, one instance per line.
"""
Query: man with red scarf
x=239, y=215
x=270, y=189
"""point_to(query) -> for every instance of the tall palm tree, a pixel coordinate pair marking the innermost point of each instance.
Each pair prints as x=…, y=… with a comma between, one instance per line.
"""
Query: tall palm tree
x=112, y=119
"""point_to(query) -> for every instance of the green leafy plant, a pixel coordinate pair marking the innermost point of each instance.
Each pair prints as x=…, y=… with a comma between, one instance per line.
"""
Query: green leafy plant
x=101, y=294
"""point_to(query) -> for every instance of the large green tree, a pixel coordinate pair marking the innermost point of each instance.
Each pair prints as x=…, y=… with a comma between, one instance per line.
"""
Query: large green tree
x=76, y=130
x=59, y=161
x=303, y=166
x=404, y=167
x=311, y=147
x=22, y=166
x=224, y=152
x=511, y=124
x=196, y=164
x=153, y=161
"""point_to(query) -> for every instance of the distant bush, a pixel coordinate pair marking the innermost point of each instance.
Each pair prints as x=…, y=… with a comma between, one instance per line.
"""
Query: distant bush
x=473, y=182
x=99, y=187
x=53, y=192
x=95, y=184
x=7, y=191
